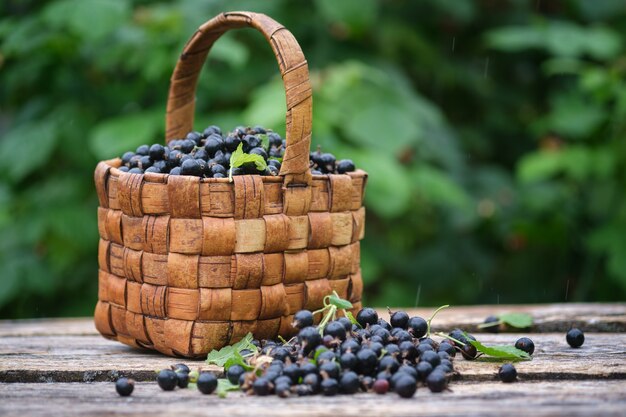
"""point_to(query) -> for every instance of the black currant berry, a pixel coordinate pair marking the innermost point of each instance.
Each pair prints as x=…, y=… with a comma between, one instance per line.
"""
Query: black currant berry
x=330, y=387
x=182, y=379
x=212, y=130
x=181, y=367
x=367, y=316
x=388, y=363
x=275, y=139
x=336, y=330
x=417, y=326
x=167, y=379
x=261, y=386
x=575, y=337
x=124, y=386
x=348, y=361
x=135, y=171
x=175, y=171
x=346, y=165
x=231, y=143
x=367, y=361
x=313, y=381
x=431, y=357
x=469, y=352
x=423, y=370
x=525, y=344
x=283, y=390
x=234, y=372
x=309, y=338
x=448, y=348
x=399, y=319
x=186, y=146
x=408, y=369
x=436, y=381
x=143, y=150
x=492, y=329
x=213, y=144
x=127, y=157
x=207, y=382
x=191, y=167
x=405, y=386
x=302, y=319
x=349, y=383
x=507, y=373
x=156, y=152
x=293, y=371
x=124, y=169
x=331, y=368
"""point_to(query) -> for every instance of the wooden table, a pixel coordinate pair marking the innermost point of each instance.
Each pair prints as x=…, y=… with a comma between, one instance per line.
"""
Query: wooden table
x=62, y=367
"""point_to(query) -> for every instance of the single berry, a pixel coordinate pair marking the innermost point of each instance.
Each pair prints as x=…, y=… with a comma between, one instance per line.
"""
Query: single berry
x=259, y=151
x=261, y=386
x=431, y=357
x=182, y=379
x=399, y=319
x=348, y=361
x=309, y=338
x=345, y=165
x=417, y=327
x=349, y=383
x=525, y=344
x=409, y=370
x=330, y=387
x=234, y=372
x=124, y=169
x=156, y=152
x=153, y=169
x=196, y=137
x=448, y=348
x=127, y=157
x=575, y=337
x=381, y=386
x=283, y=390
x=367, y=316
x=143, y=150
x=211, y=130
x=275, y=139
x=495, y=328
x=405, y=386
x=207, y=382
x=436, y=381
x=330, y=368
x=124, y=386
x=507, y=373
x=388, y=363
x=213, y=144
x=191, y=167
x=309, y=368
x=293, y=371
x=135, y=171
x=336, y=330
x=175, y=171
x=367, y=361
x=167, y=379
x=313, y=381
x=469, y=352
x=187, y=145
x=423, y=370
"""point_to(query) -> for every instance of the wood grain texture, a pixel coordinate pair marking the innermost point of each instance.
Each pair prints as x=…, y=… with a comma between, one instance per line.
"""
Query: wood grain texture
x=537, y=399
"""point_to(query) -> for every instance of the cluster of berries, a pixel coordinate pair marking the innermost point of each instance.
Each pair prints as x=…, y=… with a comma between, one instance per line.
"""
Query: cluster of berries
x=208, y=154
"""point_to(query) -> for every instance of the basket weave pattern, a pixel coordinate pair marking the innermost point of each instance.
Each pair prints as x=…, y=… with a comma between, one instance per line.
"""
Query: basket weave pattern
x=188, y=264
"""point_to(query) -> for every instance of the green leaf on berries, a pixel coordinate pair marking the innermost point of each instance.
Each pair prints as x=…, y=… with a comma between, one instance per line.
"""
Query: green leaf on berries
x=223, y=386
x=500, y=351
x=222, y=356
x=237, y=359
x=265, y=141
x=339, y=302
x=239, y=158
x=518, y=320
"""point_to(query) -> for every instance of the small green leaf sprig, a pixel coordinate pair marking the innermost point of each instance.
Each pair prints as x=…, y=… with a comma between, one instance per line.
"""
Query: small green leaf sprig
x=239, y=158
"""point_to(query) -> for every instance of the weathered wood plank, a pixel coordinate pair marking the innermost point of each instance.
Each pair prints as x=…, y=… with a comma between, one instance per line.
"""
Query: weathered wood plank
x=592, y=317
x=92, y=358
x=537, y=399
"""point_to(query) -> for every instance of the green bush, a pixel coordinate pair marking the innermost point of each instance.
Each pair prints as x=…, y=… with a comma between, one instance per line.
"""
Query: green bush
x=491, y=132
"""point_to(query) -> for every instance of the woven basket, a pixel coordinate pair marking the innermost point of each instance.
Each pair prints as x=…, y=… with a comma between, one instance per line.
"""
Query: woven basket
x=188, y=265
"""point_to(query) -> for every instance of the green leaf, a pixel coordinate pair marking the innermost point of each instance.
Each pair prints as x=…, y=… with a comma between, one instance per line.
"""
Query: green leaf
x=223, y=386
x=518, y=320
x=90, y=19
x=113, y=137
x=500, y=351
x=239, y=158
x=31, y=144
x=237, y=359
x=265, y=141
x=222, y=356
x=335, y=300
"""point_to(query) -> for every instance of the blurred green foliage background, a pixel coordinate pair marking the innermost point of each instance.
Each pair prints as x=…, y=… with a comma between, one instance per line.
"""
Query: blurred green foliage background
x=493, y=132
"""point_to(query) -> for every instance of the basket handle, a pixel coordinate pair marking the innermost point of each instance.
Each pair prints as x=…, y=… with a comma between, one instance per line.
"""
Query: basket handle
x=293, y=69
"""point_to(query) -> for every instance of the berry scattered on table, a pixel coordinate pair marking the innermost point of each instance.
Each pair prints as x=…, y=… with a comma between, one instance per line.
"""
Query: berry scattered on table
x=525, y=344
x=575, y=337
x=167, y=379
x=507, y=373
x=206, y=383
x=124, y=386
x=208, y=154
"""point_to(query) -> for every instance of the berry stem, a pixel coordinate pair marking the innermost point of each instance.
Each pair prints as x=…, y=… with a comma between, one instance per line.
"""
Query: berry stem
x=490, y=324
x=433, y=316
